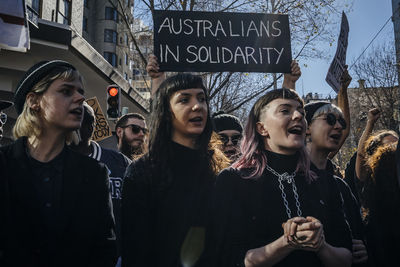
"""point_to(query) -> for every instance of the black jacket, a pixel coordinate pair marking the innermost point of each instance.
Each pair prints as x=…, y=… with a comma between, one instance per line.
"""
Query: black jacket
x=84, y=234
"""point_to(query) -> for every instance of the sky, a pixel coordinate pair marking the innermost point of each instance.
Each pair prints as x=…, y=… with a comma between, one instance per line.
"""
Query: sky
x=366, y=18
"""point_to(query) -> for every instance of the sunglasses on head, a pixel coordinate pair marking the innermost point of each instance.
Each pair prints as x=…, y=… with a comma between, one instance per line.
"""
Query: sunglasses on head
x=3, y=117
x=136, y=128
x=234, y=139
x=331, y=120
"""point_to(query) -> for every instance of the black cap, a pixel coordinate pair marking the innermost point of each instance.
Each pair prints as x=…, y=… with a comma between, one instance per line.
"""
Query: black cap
x=223, y=121
x=5, y=104
x=310, y=109
x=32, y=77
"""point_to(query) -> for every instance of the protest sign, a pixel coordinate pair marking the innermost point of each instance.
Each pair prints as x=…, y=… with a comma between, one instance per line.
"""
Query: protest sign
x=339, y=61
x=221, y=41
x=102, y=129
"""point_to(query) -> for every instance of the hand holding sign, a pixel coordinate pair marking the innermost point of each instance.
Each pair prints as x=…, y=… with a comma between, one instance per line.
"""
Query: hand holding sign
x=345, y=79
x=153, y=67
x=290, y=79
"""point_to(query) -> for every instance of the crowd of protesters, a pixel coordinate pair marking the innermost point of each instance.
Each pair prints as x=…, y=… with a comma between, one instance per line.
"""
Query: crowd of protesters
x=190, y=188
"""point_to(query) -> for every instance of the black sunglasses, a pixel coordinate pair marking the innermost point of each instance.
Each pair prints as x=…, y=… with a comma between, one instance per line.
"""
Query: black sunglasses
x=136, y=128
x=234, y=139
x=3, y=117
x=331, y=120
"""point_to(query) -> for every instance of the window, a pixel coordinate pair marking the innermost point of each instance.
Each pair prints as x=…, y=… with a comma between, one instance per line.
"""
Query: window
x=111, y=14
x=111, y=58
x=126, y=59
x=110, y=36
x=126, y=40
x=64, y=12
x=36, y=6
x=84, y=24
x=86, y=3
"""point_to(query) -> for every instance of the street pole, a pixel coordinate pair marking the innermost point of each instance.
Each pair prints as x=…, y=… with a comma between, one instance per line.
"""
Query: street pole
x=396, y=28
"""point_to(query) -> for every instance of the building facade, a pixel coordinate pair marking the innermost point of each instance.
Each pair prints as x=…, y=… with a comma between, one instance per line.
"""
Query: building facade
x=56, y=29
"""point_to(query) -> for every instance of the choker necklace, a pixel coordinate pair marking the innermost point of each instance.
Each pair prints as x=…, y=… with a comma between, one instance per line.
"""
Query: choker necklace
x=289, y=178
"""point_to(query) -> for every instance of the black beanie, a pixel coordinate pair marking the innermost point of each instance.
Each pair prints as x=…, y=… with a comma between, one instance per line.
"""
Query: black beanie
x=311, y=108
x=32, y=77
x=223, y=121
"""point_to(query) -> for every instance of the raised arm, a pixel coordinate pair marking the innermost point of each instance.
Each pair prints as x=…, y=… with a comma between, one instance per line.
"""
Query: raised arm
x=157, y=77
x=343, y=103
x=290, y=79
x=361, y=171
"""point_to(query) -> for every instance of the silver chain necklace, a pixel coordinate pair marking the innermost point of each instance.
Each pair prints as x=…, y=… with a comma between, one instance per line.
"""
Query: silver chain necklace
x=289, y=178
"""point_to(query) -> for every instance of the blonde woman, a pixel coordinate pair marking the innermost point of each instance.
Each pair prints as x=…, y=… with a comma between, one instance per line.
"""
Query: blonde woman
x=55, y=203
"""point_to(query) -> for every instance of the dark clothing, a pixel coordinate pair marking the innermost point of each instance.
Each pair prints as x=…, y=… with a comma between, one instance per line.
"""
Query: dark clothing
x=351, y=178
x=116, y=163
x=47, y=180
x=383, y=204
x=165, y=212
x=78, y=229
x=250, y=212
x=351, y=205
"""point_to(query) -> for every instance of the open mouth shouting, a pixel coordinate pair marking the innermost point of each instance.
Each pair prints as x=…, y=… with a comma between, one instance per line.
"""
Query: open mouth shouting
x=77, y=111
x=196, y=120
x=296, y=130
x=335, y=137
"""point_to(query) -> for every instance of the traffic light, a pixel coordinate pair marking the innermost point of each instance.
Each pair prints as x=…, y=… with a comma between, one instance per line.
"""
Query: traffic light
x=113, y=101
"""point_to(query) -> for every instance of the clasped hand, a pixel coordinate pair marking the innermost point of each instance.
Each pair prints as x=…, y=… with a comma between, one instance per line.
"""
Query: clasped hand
x=304, y=233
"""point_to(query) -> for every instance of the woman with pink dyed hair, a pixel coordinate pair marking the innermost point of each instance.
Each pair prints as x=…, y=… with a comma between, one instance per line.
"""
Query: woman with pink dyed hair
x=269, y=206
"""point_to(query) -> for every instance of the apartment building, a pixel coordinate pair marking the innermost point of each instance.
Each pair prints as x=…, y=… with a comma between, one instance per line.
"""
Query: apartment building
x=59, y=29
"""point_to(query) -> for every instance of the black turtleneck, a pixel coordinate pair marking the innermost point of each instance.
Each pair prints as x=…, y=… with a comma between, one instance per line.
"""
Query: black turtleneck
x=250, y=212
x=161, y=217
x=282, y=163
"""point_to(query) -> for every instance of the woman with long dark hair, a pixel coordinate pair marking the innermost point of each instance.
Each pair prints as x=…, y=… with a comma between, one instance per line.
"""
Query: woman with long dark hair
x=269, y=210
x=166, y=193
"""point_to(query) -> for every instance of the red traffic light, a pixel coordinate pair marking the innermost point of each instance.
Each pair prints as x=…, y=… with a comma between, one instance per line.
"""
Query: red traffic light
x=112, y=91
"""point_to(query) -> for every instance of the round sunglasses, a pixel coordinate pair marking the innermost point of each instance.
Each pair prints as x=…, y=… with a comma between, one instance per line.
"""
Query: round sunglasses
x=234, y=139
x=331, y=120
x=136, y=128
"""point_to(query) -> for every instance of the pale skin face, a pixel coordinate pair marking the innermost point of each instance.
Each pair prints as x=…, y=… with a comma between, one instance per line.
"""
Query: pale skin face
x=229, y=148
x=282, y=126
x=323, y=135
x=134, y=139
x=189, y=115
x=60, y=106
